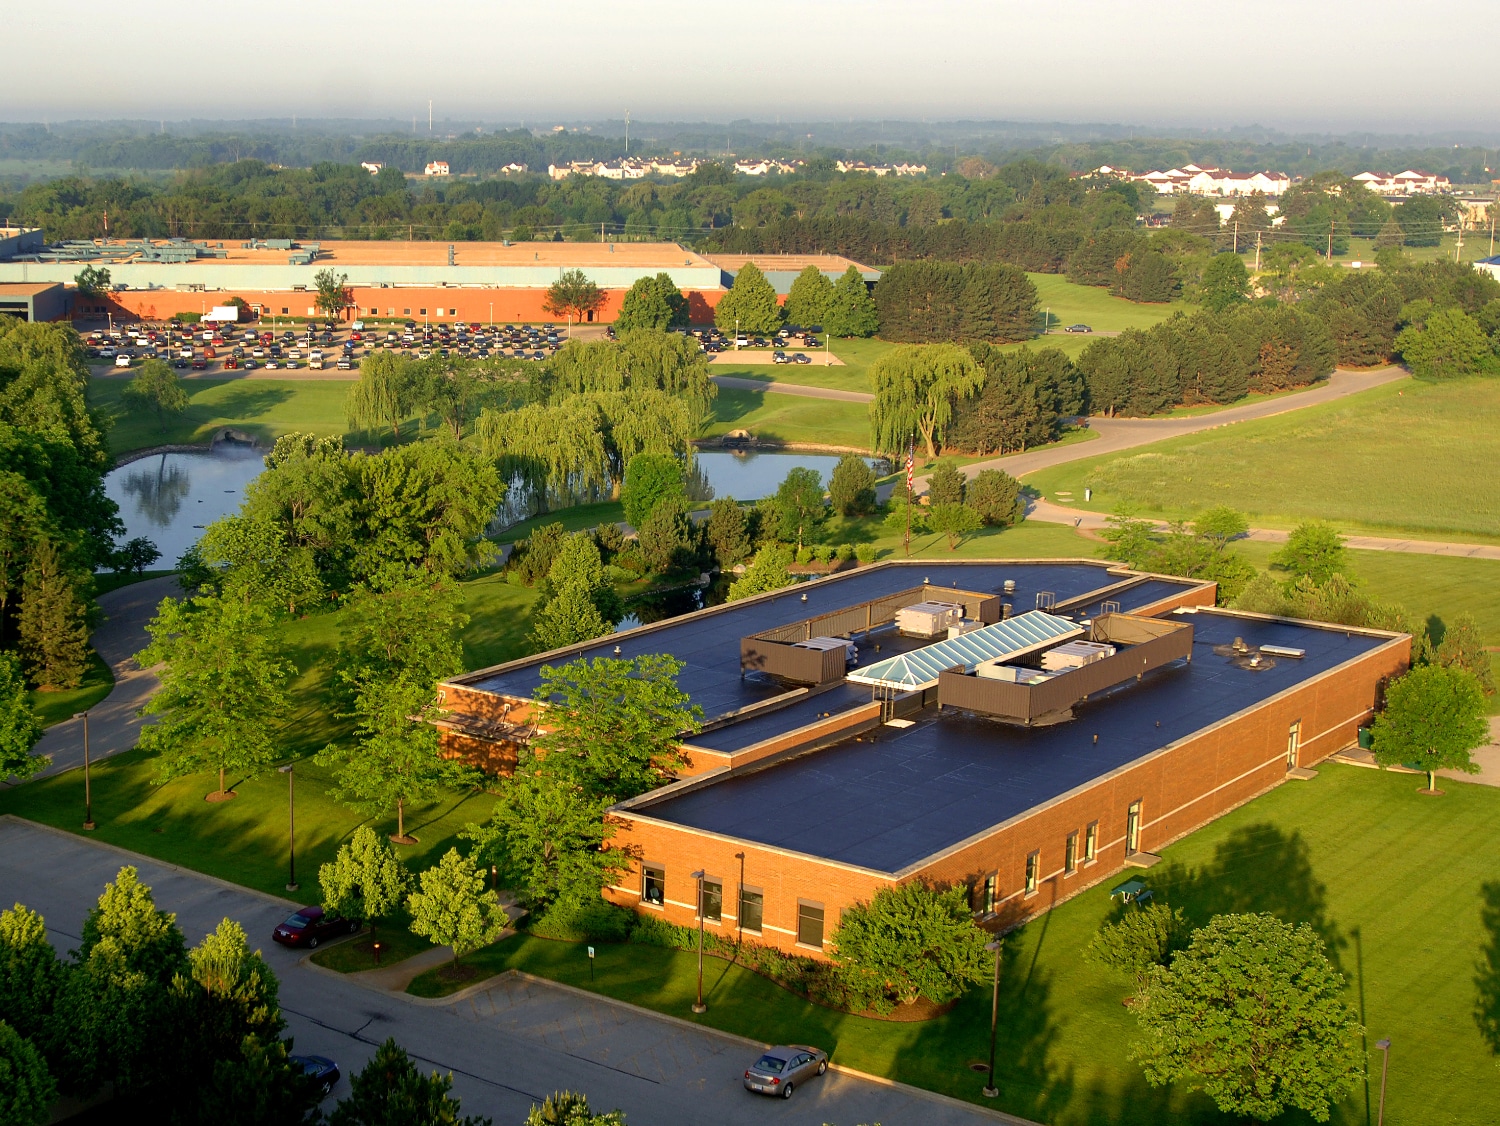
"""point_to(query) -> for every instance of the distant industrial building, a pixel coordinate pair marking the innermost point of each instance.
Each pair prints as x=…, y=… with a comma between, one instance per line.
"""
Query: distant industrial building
x=468, y=281
x=34, y=301
x=1023, y=729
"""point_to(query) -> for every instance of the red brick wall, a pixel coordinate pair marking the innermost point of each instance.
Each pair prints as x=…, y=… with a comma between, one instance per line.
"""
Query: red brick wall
x=1180, y=789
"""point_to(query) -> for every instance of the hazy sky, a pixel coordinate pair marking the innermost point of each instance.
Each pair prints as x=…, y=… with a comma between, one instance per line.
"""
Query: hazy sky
x=1339, y=64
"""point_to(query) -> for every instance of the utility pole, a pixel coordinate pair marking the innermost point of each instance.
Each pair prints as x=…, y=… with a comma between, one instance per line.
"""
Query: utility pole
x=1257, y=252
x=1458, y=250
x=1236, y=243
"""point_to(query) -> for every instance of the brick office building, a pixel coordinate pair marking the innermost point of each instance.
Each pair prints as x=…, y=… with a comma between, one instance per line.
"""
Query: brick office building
x=1081, y=717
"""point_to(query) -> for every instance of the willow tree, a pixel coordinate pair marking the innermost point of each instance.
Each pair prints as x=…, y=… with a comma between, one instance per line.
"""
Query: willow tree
x=916, y=387
x=650, y=422
x=560, y=448
x=390, y=388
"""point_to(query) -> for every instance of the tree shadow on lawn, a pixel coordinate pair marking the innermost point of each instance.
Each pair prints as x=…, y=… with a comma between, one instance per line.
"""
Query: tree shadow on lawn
x=732, y=404
x=1487, y=971
x=1258, y=868
x=241, y=403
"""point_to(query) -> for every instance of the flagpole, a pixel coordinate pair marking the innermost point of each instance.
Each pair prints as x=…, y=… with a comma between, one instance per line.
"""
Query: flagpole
x=911, y=452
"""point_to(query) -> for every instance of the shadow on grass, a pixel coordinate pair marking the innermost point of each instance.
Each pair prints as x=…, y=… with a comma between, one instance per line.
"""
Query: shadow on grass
x=1487, y=975
x=1258, y=868
x=243, y=402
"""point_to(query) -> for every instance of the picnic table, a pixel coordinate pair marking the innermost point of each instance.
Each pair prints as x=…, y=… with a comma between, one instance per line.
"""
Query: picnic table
x=1132, y=891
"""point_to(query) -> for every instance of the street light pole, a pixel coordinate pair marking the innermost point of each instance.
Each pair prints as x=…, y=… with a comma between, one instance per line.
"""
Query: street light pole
x=1385, y=1063
x=739, y=908
x=88, y=797
x=291, y=826
x=992, y=1090
x=699, y=1006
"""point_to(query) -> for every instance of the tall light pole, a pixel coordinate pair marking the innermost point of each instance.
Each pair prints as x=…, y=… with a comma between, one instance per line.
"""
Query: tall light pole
x=739, y=908
x=88, y=797
x=699, y=1006
x=291, y=826
x=992, y=1089
x=1385, y=1063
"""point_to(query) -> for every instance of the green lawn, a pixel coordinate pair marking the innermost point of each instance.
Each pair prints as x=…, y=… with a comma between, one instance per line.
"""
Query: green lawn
x=1405, y=932
x=1094, y=306
x=266, y=408
x=54, y=707
x=1413, y=458
x=790, y=419
x=356, y=953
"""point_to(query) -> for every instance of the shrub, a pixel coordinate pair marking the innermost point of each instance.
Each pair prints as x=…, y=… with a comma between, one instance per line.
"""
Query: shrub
x=592, y=920
x=823, y=553
x=804, y=555
x=865, y=553
x=846, y=552
x=533, y=556
x=1141, y=938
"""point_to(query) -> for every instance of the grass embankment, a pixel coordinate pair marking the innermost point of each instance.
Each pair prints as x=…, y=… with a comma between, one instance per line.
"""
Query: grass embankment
x=1404, y=932
x=1410, y=458
x=244, y=840
x=54, y=707
x=264, y=408
x=790, y=419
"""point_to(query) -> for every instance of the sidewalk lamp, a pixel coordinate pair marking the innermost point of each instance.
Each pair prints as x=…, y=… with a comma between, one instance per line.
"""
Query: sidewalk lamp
x=1385, y=1063
x=991, y=1090
x=291, y=826
x=88, y=797
x=699, y=1006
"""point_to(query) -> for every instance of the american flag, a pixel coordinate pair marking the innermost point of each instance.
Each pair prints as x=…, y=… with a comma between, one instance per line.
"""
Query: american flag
x=911, y=465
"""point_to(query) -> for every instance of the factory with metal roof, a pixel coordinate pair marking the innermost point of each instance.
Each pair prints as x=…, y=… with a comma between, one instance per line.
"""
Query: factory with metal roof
x=1022, y=728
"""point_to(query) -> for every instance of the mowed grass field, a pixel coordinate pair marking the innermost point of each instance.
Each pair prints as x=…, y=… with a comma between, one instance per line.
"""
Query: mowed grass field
x=266, y=408
x=1351, y=853
x=1065, y=303
x=790, y=418
x=1410, y=458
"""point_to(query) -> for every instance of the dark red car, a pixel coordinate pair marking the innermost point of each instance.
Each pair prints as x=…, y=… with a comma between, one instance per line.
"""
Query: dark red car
x=312, y=925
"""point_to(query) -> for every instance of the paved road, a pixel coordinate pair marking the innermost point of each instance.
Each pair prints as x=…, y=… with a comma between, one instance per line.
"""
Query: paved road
x=798, y=389
x=508, y=1045
x=113, y=724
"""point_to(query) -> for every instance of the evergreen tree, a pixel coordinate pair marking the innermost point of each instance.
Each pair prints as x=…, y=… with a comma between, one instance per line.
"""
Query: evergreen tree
x=669, y=538
x=53, y=622
x=568, y=617
x=1463, y=647
x=19, y=727
x=727, y=532
x=851, y=486
x=1225, y=282
x=567, y=1108
x=799, y=504
x=1391, y=236
x=390, y=1091
x=996, y=496
x=946, y=485
x=850, y=309
x=808, y=300
x=30, y=974
x=750, y=305
x=649, y=479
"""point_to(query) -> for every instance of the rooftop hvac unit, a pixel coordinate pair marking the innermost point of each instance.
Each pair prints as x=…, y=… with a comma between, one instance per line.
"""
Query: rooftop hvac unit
x=1075, y=654
x=963, y=626
x=1012, y=674
x=823, y=644
x=928, y=619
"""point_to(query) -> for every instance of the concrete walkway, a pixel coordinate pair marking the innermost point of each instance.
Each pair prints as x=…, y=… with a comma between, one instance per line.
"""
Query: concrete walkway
x=1095, y=522
x=735, y=383
x=113, y=723
x=818, y=357
x=508, y=1044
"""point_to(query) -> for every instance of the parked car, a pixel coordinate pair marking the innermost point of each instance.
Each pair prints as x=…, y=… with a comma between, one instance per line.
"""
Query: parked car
x=780, y=1070
x=1078, y=328
x=801, y=358
x=200, y=365
x=312, y=925
x=321, y=1068
x=122, y=360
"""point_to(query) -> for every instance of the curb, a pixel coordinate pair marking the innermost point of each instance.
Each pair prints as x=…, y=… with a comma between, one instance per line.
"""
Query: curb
x=733, y=1037
x=138, y=857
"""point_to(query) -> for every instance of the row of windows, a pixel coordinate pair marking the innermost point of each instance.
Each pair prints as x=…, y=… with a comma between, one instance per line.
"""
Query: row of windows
x=752, y=905
x=987, y=897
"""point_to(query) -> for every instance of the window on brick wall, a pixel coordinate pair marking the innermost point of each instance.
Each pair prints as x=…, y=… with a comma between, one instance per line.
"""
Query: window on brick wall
x=752, y=908
x=1070, y=853
x=713, y=900
x=810, y=924
x=1091, y=842
x=653, y=884
x=987, y=893
x=1033, y=871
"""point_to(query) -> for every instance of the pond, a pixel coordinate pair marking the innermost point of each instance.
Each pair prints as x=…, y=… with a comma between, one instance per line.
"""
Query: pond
x=171, y=497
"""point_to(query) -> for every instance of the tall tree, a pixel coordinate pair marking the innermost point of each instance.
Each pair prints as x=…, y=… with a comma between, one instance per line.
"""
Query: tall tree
x=92, y=281
x=1225, y=282
x=53, y=622
x=156, y=388
x=223, y=698
x=30, y=974
x=946, y=484
x=253, y=562
x=19, y=727
x=851, y=309
x=851, y=486
x=453, y=908
x=1314, y=550
x=1462, y=646
x=389, y=389
x=1434, y=719
x=916, y=387
x=396, y=758
x=727, y=532
x=365, y=879
x=807, y=300
x=799, y=504
x=573, y=296
x=649, y=479
x=27, y=1090
x=578, y=601
x=1449, y=344
x=1252, y=1014
x=750, y=305
x=652, y=303
x=615, y=726
x=996, y=496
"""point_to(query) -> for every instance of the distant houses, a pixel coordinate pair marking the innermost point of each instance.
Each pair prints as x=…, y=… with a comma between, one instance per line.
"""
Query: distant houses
x=1196, y=180
x=1411, y=182
x=881, y=169
x=373, y=167
x=436, y=168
